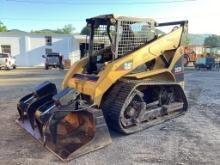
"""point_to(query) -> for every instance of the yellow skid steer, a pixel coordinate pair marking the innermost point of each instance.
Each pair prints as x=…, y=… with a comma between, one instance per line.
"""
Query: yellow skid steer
x=132, y=78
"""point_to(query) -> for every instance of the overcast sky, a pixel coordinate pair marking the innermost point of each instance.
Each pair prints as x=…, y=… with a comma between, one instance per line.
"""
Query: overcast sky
x=51, y=14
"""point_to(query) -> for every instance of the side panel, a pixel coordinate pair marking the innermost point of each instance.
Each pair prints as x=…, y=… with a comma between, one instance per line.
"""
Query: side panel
x=178, y=70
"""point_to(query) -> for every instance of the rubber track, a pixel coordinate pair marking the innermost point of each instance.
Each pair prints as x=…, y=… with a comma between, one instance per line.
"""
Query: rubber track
x=114, y=100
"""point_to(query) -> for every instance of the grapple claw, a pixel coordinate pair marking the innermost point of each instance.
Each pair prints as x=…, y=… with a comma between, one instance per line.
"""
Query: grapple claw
x=35, y=105
x=23, y=105
x=45, y=111
x=40, y=91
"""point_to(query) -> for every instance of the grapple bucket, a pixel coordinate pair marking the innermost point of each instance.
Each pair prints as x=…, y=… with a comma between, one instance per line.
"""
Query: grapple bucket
x=64, y=130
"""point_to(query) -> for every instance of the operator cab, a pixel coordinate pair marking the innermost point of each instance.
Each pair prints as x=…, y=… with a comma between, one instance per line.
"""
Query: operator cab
x=113, y=37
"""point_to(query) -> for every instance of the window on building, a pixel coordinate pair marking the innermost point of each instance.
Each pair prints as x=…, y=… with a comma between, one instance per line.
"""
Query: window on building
x=47, y=51
x=6, y=49
x=48, y=40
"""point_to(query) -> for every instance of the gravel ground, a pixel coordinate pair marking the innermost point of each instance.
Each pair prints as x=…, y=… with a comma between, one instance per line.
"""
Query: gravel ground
x=191, y=139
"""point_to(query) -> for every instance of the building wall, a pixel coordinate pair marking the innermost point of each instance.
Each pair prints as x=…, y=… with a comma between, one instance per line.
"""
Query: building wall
x=12, y=40
x=28, y=48
x=37, y=46
x=75, y=55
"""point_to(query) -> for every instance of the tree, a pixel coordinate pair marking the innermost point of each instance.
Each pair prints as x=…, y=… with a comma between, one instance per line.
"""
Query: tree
x=3, y=28
x=44, y=31
x=85, y=31
x=212, y=41
x=67, y=29
x=187, y=40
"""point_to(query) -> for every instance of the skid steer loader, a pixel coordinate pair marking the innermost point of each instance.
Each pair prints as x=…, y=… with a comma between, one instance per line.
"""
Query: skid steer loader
x=131, y=79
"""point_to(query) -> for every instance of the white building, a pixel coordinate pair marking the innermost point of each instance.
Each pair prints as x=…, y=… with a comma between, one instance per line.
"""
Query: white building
x=28, y=48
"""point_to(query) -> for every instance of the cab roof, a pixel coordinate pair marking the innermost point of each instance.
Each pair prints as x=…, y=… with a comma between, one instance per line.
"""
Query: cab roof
x=111, y=18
